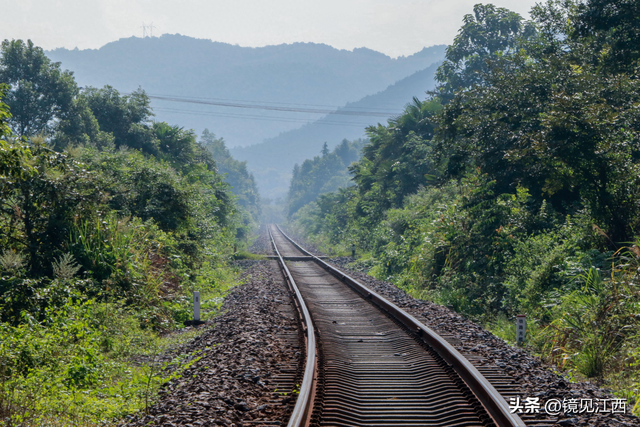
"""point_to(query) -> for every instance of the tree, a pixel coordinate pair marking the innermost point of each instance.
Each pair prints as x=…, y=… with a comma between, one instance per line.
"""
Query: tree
x=4, y=113
x=80, y=127
x=349, y=151
x=614, y=26
x=489, y=32
x=557, y=126
x=15, y=159
x=176, y=143
x=42, y=191
x=39, y=91
x=243, y=184
x=325, y=149
x=322, y=174
x=127, y=118
x=397, y=161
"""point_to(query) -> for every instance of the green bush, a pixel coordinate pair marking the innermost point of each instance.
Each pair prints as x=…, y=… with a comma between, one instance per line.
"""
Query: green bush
x=74, y=368
x=101, y=248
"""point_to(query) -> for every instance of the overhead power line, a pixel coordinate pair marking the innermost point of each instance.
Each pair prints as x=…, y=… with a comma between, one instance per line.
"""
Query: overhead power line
x=272, y=107
x=333, y=107
x=271, y=119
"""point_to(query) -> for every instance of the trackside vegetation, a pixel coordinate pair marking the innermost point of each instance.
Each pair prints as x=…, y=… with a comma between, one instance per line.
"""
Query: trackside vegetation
x=108, y=221
x=514, y=187
x=322, y=174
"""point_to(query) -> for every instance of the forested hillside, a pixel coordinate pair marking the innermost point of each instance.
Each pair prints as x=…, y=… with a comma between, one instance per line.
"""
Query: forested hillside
x=513, y=188
x=273, y=160
x=108, y=221
x=287, y=75
x=322, y=174
x=235, y=173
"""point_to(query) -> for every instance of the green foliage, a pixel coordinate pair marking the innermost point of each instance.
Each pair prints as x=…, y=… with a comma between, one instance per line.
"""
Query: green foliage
x=396, y=162
x=101, y=247
x=178, y=144
x=613, y=28
x=73, y=368
x=66, y=267
x=551, y=263
x=247, y=255
x=40, y=91
x=118, y=254
x=41, y=192
x=510, y=188
x=535, y=138
x=142, y=187
x=11, y=261
x=562, y=131
x=594, y=330
x=242, y=183
x=5, y=131
x=322, y=174
x=80, y=127
x=127, y=118
x=487, y=34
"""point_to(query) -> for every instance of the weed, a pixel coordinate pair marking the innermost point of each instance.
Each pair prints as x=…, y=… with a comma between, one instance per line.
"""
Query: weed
x=11, y=260
x=65, y=267
x=247, y=255
x=77, y=368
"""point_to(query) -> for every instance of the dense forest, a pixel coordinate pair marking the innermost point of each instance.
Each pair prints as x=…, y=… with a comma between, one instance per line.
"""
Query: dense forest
x=108, y=221
x=514, y=187
x=322, y=174
x=236, y=175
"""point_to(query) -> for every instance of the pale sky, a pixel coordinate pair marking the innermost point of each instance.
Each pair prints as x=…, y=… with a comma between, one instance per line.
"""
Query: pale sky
x=393, y=27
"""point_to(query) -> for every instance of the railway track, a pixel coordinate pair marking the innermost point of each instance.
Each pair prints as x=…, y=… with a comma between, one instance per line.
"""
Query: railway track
x=369, y=363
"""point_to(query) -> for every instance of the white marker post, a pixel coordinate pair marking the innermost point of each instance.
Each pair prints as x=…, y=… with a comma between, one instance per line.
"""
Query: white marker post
x=521, y=327
x=196, y=306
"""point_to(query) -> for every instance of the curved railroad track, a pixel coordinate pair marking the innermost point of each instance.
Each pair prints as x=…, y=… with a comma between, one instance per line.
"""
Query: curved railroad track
x=369, y=363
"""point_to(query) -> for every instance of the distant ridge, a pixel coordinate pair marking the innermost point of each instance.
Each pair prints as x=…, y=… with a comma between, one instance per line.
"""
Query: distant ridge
x=298, y=73
x=272, y=161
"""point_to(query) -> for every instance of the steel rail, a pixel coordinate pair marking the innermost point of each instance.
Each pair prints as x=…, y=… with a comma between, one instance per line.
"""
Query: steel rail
x=487, y=395
x=304, y=404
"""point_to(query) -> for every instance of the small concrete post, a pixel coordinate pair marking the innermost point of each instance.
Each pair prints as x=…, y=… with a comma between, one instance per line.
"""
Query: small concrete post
x=353, y=250
x=196, y=306
x=521, y=328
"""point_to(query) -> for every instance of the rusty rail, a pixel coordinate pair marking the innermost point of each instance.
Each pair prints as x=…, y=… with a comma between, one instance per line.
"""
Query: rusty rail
x=304, y=404
x=487, y=395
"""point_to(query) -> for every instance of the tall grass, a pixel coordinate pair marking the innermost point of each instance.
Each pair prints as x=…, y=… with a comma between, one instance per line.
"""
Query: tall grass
x=75, y=368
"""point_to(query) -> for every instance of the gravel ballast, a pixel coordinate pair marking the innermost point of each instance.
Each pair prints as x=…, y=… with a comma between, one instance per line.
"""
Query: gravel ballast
x=249, y=359
x=531, y=376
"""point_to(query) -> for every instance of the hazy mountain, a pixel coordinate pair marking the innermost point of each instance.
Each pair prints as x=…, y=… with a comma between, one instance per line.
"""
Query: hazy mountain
x=305, y=75
x=272, y=161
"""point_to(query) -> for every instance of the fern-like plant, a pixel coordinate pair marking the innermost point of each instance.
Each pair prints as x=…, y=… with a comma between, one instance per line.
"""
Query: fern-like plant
x=11, y=261
x=65, y=267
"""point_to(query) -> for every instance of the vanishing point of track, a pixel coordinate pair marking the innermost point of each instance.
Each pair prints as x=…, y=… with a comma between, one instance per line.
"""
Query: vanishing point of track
x=369, y=363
